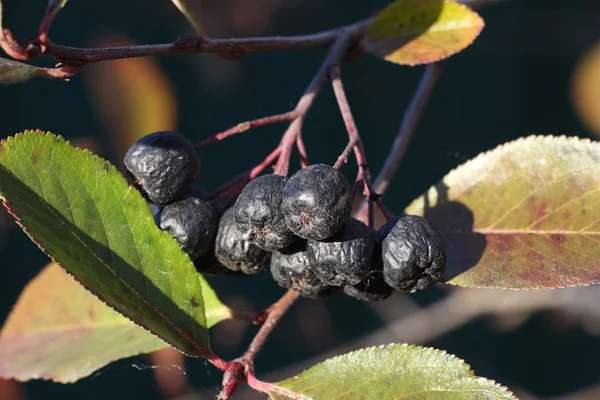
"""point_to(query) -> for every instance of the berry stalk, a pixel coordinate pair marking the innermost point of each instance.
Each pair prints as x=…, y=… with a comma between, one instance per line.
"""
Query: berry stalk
x=243, y=367
x=245, y=126
x=344, y=41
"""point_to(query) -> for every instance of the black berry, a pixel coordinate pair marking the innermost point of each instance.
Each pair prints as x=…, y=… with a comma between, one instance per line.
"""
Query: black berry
x=373, y=287
x=344, y=258
x=316, y=202
x=193, y=222
x=258, y=213
x=235, y=252
x=161, y=165
x=413, y=253
x=207, y=264
x=290, y=269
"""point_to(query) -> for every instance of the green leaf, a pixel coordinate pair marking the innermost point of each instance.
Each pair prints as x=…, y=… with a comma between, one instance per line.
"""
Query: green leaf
x=191, y=10
x=413, y=32
x=81, y=211
x=521, y=216
x=396, y=371
x=59, y=331
x=14, y=71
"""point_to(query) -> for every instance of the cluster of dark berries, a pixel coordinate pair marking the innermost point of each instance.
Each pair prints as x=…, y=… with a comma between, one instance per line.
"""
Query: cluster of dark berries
x=301, y=226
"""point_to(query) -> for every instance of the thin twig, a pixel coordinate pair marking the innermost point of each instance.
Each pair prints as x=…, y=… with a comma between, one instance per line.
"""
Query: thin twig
x=245, y=126
x=407, y=128
x=244, y=366
x=359, y=149
x=346, y=38
x=343, y=158
x=302, y=151
x=274, y=314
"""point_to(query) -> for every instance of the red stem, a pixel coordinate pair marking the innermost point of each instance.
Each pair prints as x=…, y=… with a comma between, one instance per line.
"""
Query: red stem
x=409, y=122
x=265, y=163
x=302, y=151
x=245, y=126
x=244, y=366
x=343, y=158
x=274, y=314
x=236, y=185
x=339, y=48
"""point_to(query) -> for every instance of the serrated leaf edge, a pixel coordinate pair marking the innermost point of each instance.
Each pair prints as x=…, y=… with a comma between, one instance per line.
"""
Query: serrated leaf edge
x=501, y=148
x=200, y=349
x=441, y=352
x=447, y=54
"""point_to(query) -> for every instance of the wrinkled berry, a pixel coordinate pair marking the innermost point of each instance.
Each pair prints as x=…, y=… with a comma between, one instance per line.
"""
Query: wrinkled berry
x=290, y=270
x=236, y=253
x=207, y=264
x=316, y=202
x=344, y=258
x=258, y=213
x=414, y=256
x=193, y=222
x=373, y=287
x=161, y=165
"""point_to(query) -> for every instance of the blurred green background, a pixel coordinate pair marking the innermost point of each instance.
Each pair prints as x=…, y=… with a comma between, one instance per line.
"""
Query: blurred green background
x=513, y=81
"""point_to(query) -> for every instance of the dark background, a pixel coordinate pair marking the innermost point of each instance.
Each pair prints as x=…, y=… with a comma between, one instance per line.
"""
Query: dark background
x=513, y=81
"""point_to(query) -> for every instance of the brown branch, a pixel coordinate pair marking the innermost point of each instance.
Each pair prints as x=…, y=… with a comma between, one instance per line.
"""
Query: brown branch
x=193, y=45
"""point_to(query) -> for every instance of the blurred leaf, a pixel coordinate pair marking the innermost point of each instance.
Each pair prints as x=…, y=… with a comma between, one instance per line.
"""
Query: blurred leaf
x=15, y=72
x=396, y=371
x=81, y=211
x=412, y=32
x=192, y=11
x=522, y=216
x=60, y=331
x=131, y=97
x=585, y=89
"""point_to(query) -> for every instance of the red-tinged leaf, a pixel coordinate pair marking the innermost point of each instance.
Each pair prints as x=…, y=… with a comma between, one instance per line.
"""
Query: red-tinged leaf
x=60, y=331
x=413, y=32
x=585, y=89
x=522, y=216
x=132, y=97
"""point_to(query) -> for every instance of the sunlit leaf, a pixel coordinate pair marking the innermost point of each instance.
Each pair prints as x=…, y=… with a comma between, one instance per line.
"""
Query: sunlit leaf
x=522, y=216
x=191, y=10
x=82, y=212
x=585, y=89
x=412, y=32
x=131, y=97
x=60, y=331
x=390, y=372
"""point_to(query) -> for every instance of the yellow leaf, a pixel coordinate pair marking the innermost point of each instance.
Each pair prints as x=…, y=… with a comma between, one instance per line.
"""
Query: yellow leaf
x=412, y=32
